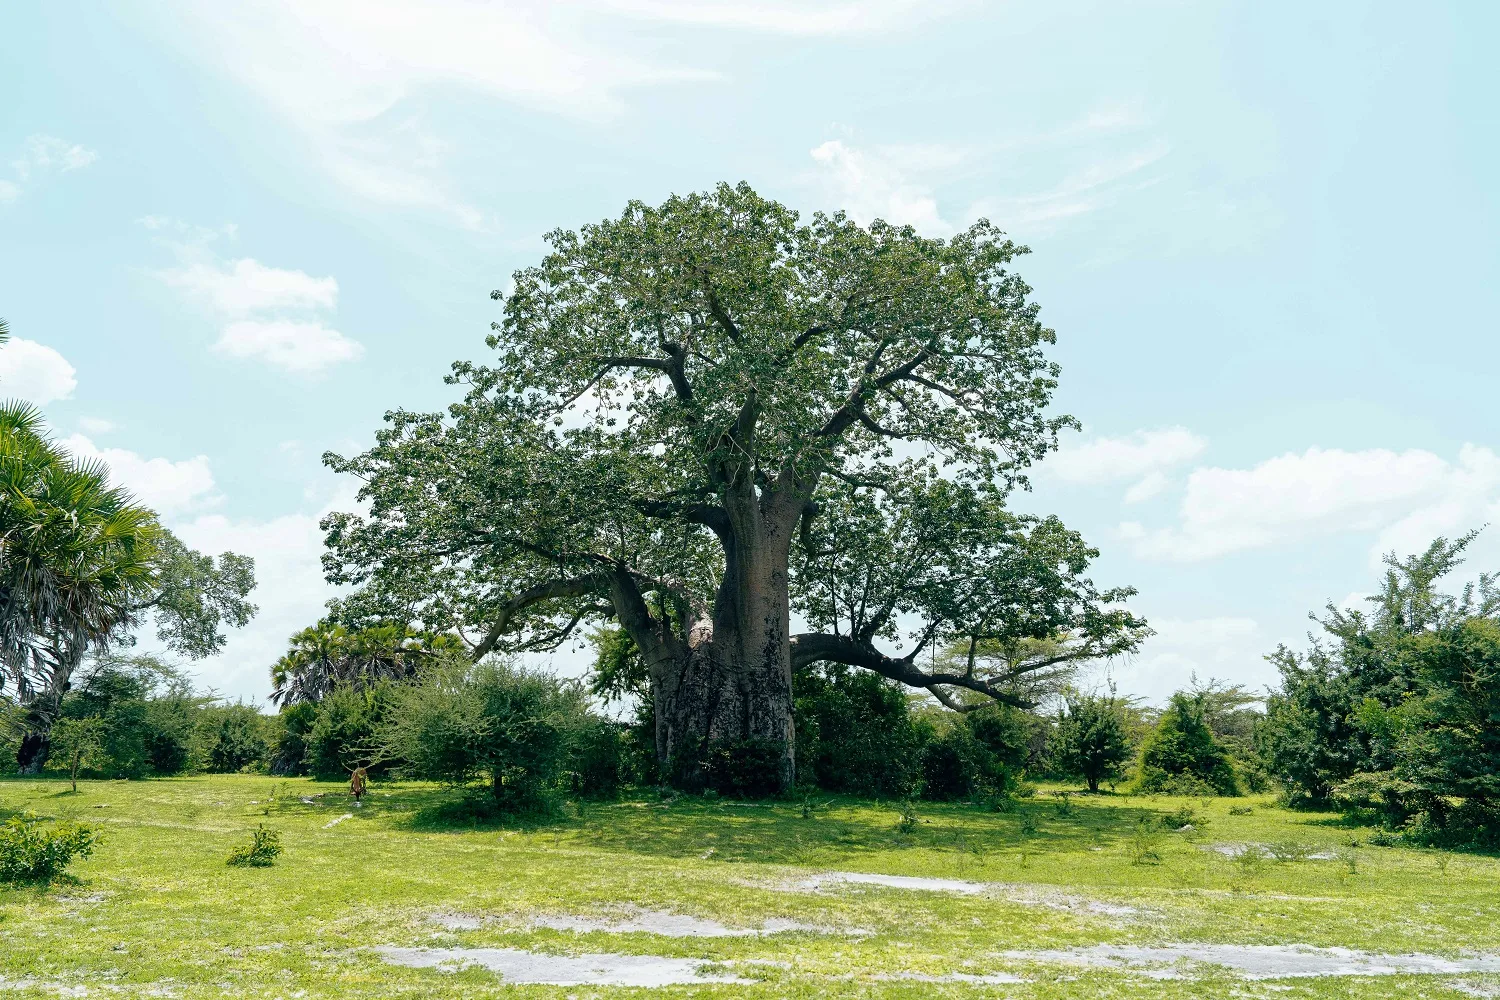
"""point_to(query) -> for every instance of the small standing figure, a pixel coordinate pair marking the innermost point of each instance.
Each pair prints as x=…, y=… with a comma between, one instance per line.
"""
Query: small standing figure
x=357, y=784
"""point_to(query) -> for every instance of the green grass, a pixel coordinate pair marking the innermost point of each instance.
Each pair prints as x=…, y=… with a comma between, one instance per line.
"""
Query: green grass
x=157, y=911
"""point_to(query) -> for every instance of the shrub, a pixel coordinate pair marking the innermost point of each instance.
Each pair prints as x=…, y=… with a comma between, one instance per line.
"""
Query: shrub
x=1145, y=843
x=907, y=819
x=598, y=760
x=511, y=727
x=77, y=744
x=1182, y=757
x=228, y=739
x=30, y=852
x=1091, y=742
x=855, y=733
x=291, y=736
x=346, y=734
x=950, y=767
x=262, y=851
x=749, y=768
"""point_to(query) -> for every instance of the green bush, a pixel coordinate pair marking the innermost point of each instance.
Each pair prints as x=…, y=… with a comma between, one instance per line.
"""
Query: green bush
x=981, y=752
x=1091, y=742
x=515, y=729
x=291, y=734
x=855, y=733
x=1182, y=757
x=30, y=852
x=749, y=768
x=598, y=762
x=262, y=851
x=229, y=738
x=950, y=765
x=346, y=732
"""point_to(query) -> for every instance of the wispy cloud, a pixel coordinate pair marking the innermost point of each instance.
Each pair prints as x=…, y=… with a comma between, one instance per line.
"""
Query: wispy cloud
x=41, y=154
x=270, y=314
x=47, y=152
x=354, y=77
x=1088, y=189
x=808, y=18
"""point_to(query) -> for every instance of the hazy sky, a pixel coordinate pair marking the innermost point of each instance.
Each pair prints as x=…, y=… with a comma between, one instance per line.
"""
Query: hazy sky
x=232, y=236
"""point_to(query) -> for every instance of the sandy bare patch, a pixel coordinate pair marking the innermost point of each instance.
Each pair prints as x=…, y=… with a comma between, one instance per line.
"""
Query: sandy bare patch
x=1025, y=895
x=635, y=920
x=1257, y=961
x=516, y=966
x=337, y=820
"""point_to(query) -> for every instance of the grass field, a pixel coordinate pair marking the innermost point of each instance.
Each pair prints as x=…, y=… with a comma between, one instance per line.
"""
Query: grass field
x=157, y=912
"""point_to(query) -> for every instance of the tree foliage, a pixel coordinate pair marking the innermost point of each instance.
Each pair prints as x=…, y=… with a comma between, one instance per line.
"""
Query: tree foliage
x=1091, y=741
x=701, y=416
x=328, y=656
x=512, y=728
x=1182, y=755
x=1397, y=708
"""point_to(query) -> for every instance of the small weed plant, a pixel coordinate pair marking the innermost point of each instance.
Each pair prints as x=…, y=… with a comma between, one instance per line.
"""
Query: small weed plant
x=1286, y=851
x=1145, y=843
x=32, y=853
x=1251, y=858
x=906, y=822
x=1178, y=819
x=262, y=851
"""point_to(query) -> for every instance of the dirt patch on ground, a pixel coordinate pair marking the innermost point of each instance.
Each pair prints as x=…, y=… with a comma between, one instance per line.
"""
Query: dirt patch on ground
x=1256, y=961
x=516, y=966
x=1025, y=895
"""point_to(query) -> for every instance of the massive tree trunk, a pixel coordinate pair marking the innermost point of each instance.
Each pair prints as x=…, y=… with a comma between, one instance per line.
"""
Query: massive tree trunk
x=36, y=736
x=725, y=694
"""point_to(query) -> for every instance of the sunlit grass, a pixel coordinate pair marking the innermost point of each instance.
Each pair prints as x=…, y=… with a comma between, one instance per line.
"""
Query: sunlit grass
x=157, y=911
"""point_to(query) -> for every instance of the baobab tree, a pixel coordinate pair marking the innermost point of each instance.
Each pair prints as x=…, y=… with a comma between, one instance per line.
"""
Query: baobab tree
x=702, y=417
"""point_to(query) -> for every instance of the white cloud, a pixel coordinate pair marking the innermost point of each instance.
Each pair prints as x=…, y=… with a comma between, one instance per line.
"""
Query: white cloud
x=268, y=309
x=246, y=286
x=873, y=186
x=1151, y=485
x=8, y=191
x=1405, y=497
x=95, y=425
x=1113, y=459
x=1226, y=648
x=186, y=230
x=35, y=372
x=297, y=347
x=165, y=486
x=44, y=152
x=352, y=76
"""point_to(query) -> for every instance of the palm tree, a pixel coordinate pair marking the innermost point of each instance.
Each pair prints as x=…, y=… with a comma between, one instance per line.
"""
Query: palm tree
x=75, y=562
x=327, y=656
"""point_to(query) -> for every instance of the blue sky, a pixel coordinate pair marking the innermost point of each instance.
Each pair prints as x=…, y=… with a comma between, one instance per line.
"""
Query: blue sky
x=231, y=238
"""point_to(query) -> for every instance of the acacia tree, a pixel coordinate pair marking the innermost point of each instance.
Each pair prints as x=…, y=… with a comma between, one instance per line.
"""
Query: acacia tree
x=704, y=416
